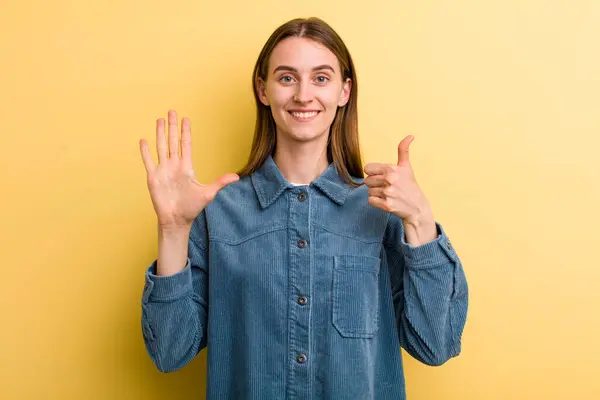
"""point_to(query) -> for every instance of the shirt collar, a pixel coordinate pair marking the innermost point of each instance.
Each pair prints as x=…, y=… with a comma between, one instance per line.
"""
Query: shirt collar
x=269, y=183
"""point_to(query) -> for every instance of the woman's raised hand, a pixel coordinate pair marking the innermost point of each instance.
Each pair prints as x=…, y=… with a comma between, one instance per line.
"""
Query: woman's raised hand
x=176, y=194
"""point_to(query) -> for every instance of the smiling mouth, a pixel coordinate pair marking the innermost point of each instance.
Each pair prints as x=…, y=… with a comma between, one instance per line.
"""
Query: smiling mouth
x=304, y=116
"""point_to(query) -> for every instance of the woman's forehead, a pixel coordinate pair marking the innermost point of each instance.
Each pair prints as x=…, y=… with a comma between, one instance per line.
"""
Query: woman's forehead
x=302, y=54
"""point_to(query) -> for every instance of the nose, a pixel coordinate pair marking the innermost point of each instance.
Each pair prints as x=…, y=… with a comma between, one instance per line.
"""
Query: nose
x=303, y=93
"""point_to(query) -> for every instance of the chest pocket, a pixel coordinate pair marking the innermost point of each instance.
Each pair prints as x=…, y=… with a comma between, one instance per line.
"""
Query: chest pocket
x=355, y=309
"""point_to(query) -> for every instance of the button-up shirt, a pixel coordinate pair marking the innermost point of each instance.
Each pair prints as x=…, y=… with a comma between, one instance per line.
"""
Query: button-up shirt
x=304, y=292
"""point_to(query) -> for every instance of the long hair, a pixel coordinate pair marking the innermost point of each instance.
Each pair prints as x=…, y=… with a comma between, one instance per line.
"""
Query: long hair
x=342, y=147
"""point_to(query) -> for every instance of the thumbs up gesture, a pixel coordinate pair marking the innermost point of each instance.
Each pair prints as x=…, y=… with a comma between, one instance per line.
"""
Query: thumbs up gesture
x=394, y=188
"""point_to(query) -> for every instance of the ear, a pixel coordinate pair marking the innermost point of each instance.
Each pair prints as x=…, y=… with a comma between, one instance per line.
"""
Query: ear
x=262, y=92
x=345, y=96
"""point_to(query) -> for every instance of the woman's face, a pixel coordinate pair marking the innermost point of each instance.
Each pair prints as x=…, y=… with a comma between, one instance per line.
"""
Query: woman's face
x=304, y=88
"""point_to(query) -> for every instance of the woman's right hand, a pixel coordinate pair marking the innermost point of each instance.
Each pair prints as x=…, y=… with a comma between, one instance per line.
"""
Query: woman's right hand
x=176, y=194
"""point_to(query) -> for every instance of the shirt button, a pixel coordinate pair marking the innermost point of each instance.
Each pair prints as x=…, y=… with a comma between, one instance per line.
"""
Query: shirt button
x=448, y=245
x=302, y=243
x=301, y=358
x=301, y=196
x=302, y=300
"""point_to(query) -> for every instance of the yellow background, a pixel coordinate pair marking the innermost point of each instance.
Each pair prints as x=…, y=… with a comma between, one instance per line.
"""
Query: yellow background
x=503, y=98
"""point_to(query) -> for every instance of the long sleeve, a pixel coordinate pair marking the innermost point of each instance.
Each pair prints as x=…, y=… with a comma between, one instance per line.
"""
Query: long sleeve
x=175, y=308
x=430, y=294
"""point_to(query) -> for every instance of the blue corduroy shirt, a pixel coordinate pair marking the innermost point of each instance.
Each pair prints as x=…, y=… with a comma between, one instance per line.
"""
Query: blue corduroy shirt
x=304, y=292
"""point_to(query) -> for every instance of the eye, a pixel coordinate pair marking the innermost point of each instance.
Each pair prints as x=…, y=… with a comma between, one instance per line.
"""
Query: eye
x=286, y=79
x=322, y=79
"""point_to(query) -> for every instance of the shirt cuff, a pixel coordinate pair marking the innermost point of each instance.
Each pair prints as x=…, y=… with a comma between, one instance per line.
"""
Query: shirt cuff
x=167, y=288
x=431, y=254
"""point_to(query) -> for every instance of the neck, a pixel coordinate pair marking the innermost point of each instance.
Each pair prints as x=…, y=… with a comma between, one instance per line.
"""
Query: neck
x=301, y=162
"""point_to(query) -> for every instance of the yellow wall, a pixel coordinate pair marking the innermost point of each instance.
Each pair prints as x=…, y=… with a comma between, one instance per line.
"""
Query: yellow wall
x=503, y=98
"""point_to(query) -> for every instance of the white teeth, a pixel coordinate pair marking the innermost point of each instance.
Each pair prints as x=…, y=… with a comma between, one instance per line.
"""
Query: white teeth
x=304, y=114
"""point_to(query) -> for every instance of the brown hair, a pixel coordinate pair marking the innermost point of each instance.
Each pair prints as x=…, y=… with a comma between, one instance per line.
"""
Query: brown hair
x=342, y=147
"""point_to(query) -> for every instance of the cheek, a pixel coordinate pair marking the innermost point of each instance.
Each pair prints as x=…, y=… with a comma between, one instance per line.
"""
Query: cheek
x=330, y=98
x=278, y=98
x=330, y=102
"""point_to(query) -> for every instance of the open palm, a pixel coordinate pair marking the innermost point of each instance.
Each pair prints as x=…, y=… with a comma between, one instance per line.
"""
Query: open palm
x=176, y=194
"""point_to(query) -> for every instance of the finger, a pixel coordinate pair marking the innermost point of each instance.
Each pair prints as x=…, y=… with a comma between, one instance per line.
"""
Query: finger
x=378, y=202
x=146, y=158
x=161, y=143
x=376, y=169
x=377, y=192
x=225, y=180
x=221, y=182
x=173, y=135
x=375, y=181
x=186, y=143
x=403, y=156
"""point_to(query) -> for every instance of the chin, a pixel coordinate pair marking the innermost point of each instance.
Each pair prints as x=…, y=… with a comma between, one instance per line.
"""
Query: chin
x=305, y=134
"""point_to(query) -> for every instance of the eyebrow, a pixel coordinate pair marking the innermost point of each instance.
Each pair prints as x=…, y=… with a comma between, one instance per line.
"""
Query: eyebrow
x=292, y=69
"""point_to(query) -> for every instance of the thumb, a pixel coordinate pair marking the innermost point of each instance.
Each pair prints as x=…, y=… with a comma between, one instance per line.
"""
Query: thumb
x=219, y=184
x=224, y=180
x=403, y=156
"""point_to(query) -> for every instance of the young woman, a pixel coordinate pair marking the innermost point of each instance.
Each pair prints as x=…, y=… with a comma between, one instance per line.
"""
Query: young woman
x=302, y=277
